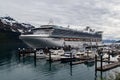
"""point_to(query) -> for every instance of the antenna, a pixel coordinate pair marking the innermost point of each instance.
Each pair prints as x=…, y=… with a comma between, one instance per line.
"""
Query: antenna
x=51, y=22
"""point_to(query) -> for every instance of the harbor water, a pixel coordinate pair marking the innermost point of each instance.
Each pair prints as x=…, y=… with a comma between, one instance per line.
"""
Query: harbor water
x=13, y=68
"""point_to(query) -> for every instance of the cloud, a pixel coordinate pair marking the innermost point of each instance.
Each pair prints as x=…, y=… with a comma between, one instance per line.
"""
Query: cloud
x=99, y=14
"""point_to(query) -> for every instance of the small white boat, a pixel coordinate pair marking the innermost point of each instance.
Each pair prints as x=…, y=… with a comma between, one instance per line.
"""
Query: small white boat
x=39, y=54
x=90, y=54
x=68, y=57
x=79, y=54
x=85, y=54
x=55, y=54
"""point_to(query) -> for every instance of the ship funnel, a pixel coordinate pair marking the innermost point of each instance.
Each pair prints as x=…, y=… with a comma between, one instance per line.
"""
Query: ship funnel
x=87, y=28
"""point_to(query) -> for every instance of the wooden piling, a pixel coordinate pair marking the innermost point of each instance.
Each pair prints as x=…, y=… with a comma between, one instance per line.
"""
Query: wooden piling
x=34, y=54
x=95, y=62
x=49, y=56
x=109, y=56
x=34, y=57
x=19, y=52
x=101, y=55
x=69, y=48
x=23, y=52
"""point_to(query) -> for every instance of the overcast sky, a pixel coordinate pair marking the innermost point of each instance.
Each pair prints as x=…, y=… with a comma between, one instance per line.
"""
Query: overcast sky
x=99, y=14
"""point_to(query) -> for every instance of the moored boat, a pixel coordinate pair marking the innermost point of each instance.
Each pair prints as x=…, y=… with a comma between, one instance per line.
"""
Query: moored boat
x=39, y=54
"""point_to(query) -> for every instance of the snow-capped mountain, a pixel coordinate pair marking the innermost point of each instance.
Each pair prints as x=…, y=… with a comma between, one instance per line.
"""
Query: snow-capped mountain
x=109, y=41
x=8, y=23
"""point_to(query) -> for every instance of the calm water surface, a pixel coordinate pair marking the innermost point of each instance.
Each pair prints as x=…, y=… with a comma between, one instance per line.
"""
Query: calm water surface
x=13, y=68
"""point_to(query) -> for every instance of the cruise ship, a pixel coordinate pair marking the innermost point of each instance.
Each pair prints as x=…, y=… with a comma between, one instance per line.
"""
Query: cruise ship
x=58, y=36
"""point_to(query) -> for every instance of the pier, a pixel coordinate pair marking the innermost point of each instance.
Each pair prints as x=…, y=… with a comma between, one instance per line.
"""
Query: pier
x=78, y=62
x=107, y=61
x=108, y=66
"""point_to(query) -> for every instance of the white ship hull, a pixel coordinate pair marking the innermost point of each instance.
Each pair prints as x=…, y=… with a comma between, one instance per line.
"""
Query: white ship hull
x=43, y=41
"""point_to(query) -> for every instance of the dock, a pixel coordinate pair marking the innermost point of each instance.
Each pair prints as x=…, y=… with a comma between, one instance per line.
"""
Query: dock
x=107, y=61
x=108, y=66
x=78, y=62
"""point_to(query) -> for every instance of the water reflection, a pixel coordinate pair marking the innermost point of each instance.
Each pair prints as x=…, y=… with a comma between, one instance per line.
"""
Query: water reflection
x=35, y=64
x=50, y=65
x=89, y=64
x=8, y=51
x=71, y=70
x=95, y=75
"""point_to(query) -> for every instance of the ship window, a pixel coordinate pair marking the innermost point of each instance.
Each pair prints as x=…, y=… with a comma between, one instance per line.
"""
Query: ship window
x=43, y=31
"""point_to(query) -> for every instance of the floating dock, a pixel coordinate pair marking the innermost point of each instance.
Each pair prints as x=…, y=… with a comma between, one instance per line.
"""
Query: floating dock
x=109, y=66
x=108, y=61
x=78, y=62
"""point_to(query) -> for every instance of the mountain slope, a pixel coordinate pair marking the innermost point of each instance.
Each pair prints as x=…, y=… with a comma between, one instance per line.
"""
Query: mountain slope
x=109, y=41
x=10, y=29
x=10, y=24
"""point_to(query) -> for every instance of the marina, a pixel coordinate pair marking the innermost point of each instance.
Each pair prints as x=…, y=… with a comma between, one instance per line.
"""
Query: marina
x=74, y=59
x=24, y=61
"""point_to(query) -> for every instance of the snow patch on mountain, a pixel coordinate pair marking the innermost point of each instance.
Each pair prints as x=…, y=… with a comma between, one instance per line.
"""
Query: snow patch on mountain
x=8, y=23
